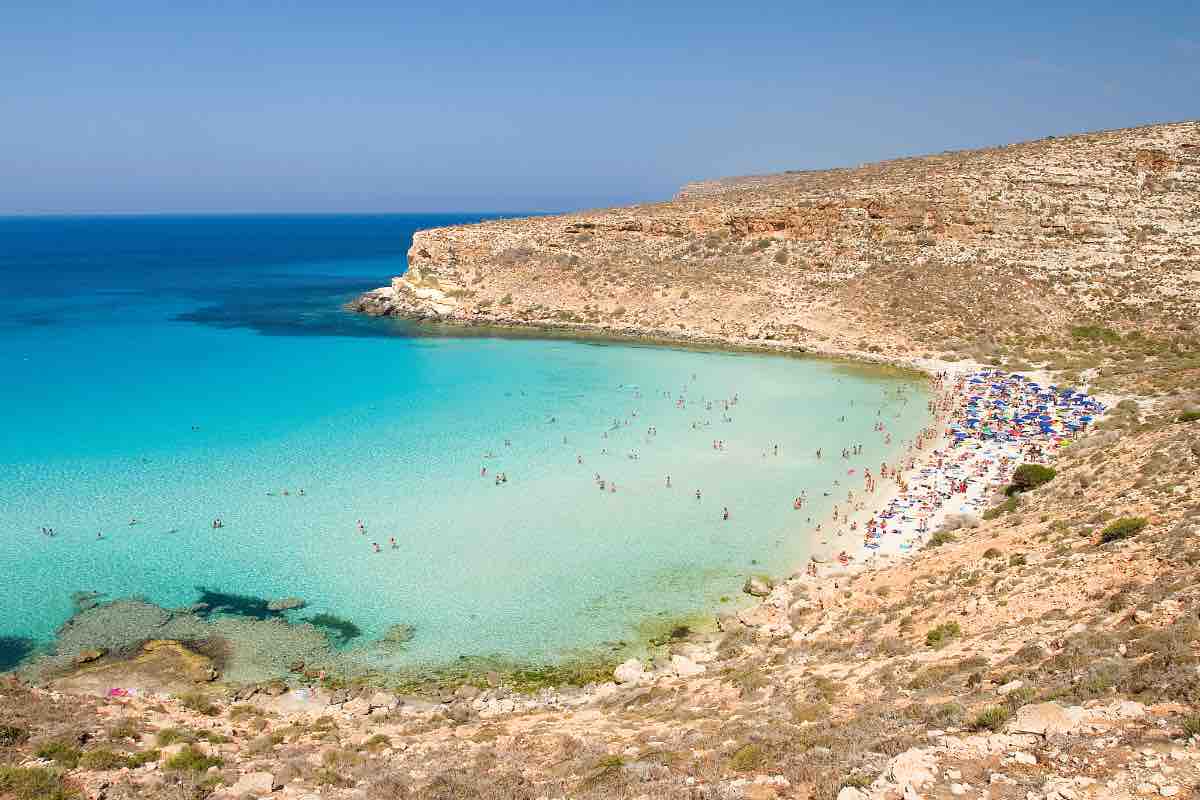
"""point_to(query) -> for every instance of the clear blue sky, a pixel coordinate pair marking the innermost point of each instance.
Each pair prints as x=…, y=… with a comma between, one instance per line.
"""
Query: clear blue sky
x=237, y=105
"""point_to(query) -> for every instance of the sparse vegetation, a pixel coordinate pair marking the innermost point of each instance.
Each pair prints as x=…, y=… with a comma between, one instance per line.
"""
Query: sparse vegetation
x=190, y=759
x=33, y=783
x=939, y=636
x=990, y=719
x=1030, y=476
x=1122, y=529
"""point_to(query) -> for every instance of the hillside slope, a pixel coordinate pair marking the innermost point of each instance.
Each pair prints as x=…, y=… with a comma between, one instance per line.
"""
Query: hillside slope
x=966, y=253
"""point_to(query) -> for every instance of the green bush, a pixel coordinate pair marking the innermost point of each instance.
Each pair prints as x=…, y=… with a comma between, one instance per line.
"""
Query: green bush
x=992, y=552
x=105, y=760
x=1017, y=560
x=17, y=783
x=1189, y=416
x=748, y=758
x=1029, y=476
x=939, y=636
x=169, y=736
x=1122, y=529
x=1191, y=726
x=11, y=736
x=60, y=753
x=198, y=702
x=1007, y=507
x=940, y=538
x=189, y=759
x=990, y=719
x=1096, y=332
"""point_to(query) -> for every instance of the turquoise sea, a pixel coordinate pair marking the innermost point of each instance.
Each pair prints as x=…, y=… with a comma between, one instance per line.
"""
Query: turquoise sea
x=175, y=370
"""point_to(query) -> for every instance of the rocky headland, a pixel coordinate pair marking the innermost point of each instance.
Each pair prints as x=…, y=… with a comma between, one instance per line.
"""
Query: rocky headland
x=1046, y=649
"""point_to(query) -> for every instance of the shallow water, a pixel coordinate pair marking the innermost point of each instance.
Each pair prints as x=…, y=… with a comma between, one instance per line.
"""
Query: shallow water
x=176, y=370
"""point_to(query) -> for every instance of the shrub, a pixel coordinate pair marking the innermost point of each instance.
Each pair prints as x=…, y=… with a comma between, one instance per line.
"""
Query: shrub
x=105, y=760
x=940, y=538
x=939, y=636
x=169, y=736
x=1191, y=725
x=1006, y=507
x=1122, y=529
x=60, y=753
x=748, y=758
x=198, y=702
x=1189, y=416
x=1017, y=560
x=990, y=719
x=11, y=736
x=21, y=783
x=506, y=300
x=992, y=552
x=189, y=759
x=1030, y=476
x=1097, y=332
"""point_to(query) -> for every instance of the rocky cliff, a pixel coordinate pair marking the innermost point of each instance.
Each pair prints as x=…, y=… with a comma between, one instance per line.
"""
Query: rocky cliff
x=943, y=254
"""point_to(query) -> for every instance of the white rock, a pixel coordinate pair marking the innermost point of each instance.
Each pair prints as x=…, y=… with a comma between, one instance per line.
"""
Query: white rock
x=851, y=793
x=912, y=768
x=684, y=667
x=1010, y=687
x=255, y=783
x=1169, y=791
x=957, y=789
x=630, y=671
x=1024, y=758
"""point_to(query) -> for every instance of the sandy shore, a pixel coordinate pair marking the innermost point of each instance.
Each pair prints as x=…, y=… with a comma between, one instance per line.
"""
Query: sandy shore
x=938, y=476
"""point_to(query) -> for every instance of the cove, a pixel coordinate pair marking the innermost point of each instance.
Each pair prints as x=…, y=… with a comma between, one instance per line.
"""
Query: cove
x=171, y=372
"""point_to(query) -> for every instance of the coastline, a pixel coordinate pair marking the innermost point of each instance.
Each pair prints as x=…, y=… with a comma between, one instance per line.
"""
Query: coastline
x=923, y=458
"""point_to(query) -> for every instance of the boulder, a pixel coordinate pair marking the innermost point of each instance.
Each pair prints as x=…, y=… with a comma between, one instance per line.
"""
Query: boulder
x=88, y=656
x=459, y=712
x=257, y=784
x=757, y=587
x=382, y=700
x=359, y=706
x=913, y=768
x=1044, y=719
x=684, y=667
x=851, y=793
x=630, y=671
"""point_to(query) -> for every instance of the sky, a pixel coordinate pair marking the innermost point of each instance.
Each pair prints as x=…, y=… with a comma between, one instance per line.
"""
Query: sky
x=212, y=106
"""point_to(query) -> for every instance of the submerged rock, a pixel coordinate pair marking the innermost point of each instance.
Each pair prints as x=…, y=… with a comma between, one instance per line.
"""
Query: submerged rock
x=758, y=587
x=88, y=656
x=398, y=635
x=286, y=604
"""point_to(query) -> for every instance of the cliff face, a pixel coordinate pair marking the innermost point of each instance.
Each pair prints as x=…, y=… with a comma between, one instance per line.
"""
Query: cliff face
x=942, y=254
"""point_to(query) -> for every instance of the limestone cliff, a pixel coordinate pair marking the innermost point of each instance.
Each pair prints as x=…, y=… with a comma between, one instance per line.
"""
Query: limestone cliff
x=943, y=253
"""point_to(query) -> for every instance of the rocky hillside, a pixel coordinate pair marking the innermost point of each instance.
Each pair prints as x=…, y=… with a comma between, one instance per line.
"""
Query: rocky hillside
x=995, y=254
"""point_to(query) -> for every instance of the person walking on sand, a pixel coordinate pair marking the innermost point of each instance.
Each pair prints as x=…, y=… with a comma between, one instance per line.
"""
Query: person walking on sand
x=725, y=513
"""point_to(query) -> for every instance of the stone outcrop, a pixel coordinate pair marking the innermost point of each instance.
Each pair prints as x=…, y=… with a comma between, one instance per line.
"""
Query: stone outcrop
x=931, y=253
